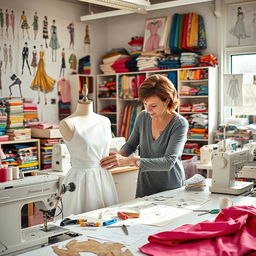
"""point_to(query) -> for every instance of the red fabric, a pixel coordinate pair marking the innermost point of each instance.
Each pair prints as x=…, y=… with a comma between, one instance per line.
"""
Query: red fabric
x=233, y=233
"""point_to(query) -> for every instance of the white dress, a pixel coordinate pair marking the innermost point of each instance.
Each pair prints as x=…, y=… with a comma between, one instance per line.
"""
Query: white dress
x=95, y=186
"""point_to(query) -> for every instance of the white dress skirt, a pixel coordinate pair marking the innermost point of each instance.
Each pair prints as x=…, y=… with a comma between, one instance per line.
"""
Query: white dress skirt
x=95, y=186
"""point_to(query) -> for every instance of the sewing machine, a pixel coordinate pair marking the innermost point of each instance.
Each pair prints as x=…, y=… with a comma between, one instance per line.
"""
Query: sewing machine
x=45, y=191
x=226, y=165
x=60, y=158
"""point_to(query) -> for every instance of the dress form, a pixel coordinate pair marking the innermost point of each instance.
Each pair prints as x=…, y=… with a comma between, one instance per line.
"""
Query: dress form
x=83, y=114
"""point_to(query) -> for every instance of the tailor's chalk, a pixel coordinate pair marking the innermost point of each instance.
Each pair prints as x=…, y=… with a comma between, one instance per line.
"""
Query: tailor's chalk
x=109, y=222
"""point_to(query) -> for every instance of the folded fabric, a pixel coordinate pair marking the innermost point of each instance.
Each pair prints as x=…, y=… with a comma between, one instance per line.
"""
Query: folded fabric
x=231, y=233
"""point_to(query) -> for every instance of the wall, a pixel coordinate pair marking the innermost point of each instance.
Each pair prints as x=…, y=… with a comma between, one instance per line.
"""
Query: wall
x=63, y=13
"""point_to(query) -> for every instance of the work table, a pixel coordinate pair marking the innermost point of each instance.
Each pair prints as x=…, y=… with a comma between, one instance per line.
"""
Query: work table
x=185, y=215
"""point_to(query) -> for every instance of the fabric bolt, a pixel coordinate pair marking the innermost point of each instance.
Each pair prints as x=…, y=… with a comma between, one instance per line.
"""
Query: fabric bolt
x=95, y=186
x=161, y=168
x=231, y=233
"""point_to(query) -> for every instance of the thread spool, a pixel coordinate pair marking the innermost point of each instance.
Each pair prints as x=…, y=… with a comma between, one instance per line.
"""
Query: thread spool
x=10, y=173
x=16, y=173
x=3, y=174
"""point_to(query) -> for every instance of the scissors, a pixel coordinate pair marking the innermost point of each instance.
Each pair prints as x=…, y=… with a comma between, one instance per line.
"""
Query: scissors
x=124, y=228
x=213, y=211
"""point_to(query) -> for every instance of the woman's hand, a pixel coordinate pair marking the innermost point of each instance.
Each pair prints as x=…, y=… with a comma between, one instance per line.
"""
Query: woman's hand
x=114, y=160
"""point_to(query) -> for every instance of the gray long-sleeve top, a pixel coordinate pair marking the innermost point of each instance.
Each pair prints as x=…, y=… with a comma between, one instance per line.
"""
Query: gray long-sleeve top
x=161, y=167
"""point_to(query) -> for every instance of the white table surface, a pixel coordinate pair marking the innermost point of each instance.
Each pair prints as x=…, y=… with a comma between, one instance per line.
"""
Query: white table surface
x=189, y=218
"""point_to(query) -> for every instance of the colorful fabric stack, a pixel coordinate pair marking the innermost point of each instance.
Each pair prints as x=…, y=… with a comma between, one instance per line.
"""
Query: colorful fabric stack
x=120, y=65
x=195, y=74
x=15, y=119
x=110, y=57
x=191, y=148
x=189, y=59
x=22, y=155
x=84, y=65
x=30, y=112
x=136, y=44
x=240, y=134
x=64, y=110
x=3, y=120
x=127, y=118
x=108, y=88
x=129, y=86
x=187, y=33
x=46, y=146
x=131, y=64
x=208, y=60
x=19, y=134
x=170, y=61
x=193, y=91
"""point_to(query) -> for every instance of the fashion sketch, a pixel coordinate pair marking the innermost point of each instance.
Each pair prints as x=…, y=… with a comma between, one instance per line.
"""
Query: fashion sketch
x=45, y=30
x=16, y=81
x=35, y=25
x=34, y=60
x=42, y=82
x=239, y=30
x=87, y=40
x=63, y=63
x=24, y=24
x=10, y=57
x=25, y=53
x=54, y=43
x=2, y=22
x=12, y=22
x=153, y=42
x=5, y=54
x=1, y=65
x=71, y=30
x=7, y=23
x=234, y=91
x=254, y=26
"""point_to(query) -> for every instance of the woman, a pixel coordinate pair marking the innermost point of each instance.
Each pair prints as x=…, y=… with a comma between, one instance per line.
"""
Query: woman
x=160, y=132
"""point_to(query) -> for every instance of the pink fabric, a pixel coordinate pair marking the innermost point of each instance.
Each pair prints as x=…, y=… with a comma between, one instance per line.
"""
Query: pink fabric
x=233, y=232
x=65, y=93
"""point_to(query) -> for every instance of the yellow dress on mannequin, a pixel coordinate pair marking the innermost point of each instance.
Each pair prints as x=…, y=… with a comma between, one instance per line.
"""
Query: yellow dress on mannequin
x=42, y=81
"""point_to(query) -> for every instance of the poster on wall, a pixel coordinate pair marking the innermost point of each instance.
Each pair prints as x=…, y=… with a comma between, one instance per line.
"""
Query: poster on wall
x=233, y=90
x=241, y=24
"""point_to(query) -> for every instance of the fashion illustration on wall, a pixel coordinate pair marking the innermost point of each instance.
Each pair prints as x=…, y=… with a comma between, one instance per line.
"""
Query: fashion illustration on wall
x=5, y=54
x=233, y=90
x=35, y=25
x=1, y=65
x=12, y=22
x=42, y=82
x=239, y=30
x=16, y=81
x=7, y=23
x=87, y=40
x=10, y=57
x=24, y=24
x=63, y=63
x=71, y=30
x=2, y=22
x=54, y=43
x=25, y=53
x=45, y=30
x=34, y=59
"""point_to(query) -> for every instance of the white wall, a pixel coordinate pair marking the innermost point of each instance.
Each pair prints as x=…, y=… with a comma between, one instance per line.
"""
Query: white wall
x=63, y=13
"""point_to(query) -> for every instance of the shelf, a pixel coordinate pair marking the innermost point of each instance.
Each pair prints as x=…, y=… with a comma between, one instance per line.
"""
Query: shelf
x=193, y=97
x=197, y=140
x=193, y=113
x=135, y=99
x=99, y=98
x=19, y=141
x=193, y=81
x=107, y=113
x=187, y=154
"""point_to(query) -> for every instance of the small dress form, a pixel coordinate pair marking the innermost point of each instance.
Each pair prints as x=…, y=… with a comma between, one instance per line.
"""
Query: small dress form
x=95, y=186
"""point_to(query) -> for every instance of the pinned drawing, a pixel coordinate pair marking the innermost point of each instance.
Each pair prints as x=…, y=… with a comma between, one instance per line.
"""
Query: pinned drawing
x=24, y=24
x=54, y=43
x=233, y=90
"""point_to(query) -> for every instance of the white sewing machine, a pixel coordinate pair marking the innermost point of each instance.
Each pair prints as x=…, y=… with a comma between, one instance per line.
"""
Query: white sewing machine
x=45, y=191
x=226, y=165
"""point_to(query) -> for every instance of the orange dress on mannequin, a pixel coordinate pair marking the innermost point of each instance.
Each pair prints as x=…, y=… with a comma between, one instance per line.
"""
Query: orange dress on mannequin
x=42, y=81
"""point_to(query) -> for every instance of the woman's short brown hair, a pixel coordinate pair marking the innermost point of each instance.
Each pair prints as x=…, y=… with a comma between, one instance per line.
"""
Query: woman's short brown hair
x=160, y=86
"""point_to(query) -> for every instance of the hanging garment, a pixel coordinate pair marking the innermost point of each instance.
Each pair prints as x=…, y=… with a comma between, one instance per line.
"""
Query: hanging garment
x=95, y=186
x=65, y=92
x=231, y=233
x=42, y=81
